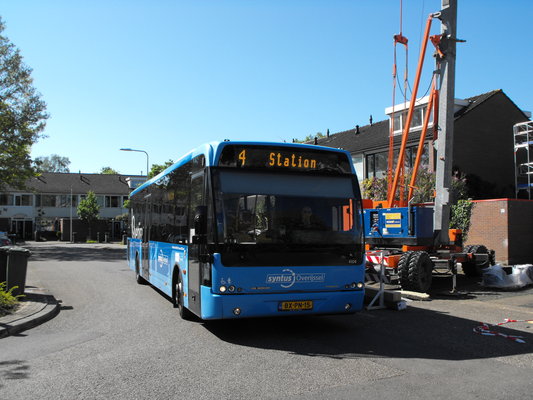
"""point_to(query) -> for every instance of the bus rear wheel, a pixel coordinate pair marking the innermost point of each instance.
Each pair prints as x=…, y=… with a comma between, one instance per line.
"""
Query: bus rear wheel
x=178, y=300
x=140, y=280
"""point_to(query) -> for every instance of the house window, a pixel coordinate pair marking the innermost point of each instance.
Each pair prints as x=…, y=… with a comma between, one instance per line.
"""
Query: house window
x=63, y=200
x=23, y=200
x=6, y=199
x=398, y=122
x=417, y=118
x=113, y=201
x=376, y=165
x=416, y=123
x=48, y=200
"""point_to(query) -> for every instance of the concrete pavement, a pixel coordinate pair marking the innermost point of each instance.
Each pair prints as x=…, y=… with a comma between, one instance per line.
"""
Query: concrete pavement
x=37, y=306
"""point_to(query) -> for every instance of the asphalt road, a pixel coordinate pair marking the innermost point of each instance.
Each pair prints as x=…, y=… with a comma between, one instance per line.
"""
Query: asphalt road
x=115, y=339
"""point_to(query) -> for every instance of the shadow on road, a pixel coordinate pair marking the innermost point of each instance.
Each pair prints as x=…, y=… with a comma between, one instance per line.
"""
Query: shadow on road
x=76, y=252
x=13, y=369
x=413, y=333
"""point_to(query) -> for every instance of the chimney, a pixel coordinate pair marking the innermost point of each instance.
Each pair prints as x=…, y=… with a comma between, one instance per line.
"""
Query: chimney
x=327, y=133
x=371, y=119
x=357, y=129
x=316, y=140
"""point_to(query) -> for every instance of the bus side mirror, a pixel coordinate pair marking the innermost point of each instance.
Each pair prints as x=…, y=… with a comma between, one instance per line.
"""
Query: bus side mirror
x=200, y=220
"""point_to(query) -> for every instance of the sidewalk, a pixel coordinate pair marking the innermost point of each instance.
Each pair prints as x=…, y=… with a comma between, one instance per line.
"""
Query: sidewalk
x=36, y=307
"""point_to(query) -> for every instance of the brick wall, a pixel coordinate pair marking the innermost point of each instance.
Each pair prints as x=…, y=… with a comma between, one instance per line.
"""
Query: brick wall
x=505, y=226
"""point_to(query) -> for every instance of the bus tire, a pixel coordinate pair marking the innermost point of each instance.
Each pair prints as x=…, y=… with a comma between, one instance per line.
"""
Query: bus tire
x=140, y=280
x=418, y=271
x=177, y=299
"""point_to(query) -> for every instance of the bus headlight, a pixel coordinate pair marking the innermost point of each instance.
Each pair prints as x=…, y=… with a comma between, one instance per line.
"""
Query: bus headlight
x=237, y=311
x=222, y=289
x=360, y=285
x=231, y=288
x=347, y=306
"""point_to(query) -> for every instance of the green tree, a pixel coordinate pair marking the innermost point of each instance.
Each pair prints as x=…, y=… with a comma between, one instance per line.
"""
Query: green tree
x=108, y=171
x=157, y=168
x=309, y=138
x=22, y=115
x=88, y=210
x=53, y=163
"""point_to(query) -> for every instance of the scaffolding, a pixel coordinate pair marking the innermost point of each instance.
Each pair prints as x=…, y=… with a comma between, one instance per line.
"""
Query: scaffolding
x=523, y=159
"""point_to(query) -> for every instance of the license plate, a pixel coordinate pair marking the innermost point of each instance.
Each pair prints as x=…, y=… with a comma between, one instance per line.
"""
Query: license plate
x=296, y=305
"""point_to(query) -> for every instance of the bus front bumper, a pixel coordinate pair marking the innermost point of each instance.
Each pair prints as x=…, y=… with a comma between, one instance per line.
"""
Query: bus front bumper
x=216, y=306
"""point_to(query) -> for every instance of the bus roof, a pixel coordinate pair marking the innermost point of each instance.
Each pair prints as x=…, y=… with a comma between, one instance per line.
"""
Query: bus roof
x=212, y=152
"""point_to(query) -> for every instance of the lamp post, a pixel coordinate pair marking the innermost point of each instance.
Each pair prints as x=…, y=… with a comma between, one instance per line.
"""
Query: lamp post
x=71, y=236
x=147, y=158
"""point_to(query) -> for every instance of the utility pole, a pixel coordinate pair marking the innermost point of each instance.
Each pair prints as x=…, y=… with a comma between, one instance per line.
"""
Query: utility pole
x=448, y=18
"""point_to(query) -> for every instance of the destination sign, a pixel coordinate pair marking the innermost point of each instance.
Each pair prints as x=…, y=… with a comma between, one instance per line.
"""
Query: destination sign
x=283, y=158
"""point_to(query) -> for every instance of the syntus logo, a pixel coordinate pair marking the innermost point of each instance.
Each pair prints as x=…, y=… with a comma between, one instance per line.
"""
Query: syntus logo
x=288, y=278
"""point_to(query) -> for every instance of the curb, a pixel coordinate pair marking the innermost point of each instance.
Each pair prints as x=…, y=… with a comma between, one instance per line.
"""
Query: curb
x=37, y=309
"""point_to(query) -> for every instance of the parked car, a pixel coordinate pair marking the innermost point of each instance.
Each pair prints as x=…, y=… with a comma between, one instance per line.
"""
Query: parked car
x=4, y=240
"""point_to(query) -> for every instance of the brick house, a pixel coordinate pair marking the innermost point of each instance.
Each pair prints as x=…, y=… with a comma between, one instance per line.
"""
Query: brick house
x=483, y=150
x=483, y=144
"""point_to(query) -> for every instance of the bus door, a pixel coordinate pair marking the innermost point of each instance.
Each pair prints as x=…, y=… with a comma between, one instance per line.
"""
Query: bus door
x=197, y=242
x=146, y=236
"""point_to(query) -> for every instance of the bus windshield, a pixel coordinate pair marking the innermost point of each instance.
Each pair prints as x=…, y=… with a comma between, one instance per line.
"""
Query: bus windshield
x=302, y=219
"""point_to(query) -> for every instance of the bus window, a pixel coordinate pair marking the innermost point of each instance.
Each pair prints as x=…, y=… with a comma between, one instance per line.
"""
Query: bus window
x=296, y=214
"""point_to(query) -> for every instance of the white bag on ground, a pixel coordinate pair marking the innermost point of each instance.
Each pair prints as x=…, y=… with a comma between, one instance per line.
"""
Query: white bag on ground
x=496, y=277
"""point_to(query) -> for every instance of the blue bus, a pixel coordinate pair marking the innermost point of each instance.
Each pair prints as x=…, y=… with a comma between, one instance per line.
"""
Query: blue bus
x=246, y=229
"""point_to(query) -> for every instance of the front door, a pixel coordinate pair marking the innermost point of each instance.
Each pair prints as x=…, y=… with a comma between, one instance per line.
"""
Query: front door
x=22, y=228
x=146, y=237
x=197, y=199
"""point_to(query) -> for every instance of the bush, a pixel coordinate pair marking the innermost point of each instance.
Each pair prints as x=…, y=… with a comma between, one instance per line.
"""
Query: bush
x=8, y=302
x=376, y=188
x=460, y=216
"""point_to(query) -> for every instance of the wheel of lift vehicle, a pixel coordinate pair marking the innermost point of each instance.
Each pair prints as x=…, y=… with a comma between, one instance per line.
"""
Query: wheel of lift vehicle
x=178, y=299
x=419, y=268
x=403, y=268
x=469, y=267
x=481, y=249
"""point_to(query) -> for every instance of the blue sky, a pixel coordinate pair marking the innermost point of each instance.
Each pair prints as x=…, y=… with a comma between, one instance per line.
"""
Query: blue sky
x=166, y=76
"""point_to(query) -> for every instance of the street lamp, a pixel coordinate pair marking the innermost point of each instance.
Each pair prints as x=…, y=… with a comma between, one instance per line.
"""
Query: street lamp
x=147, y=158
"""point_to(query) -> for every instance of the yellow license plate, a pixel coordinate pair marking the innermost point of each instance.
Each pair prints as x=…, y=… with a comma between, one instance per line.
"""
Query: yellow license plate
x=296, y=305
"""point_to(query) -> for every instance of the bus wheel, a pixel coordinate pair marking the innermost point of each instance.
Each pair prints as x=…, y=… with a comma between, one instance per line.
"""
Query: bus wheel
x=140, y=280
x=416, y=271
x=178, y=299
